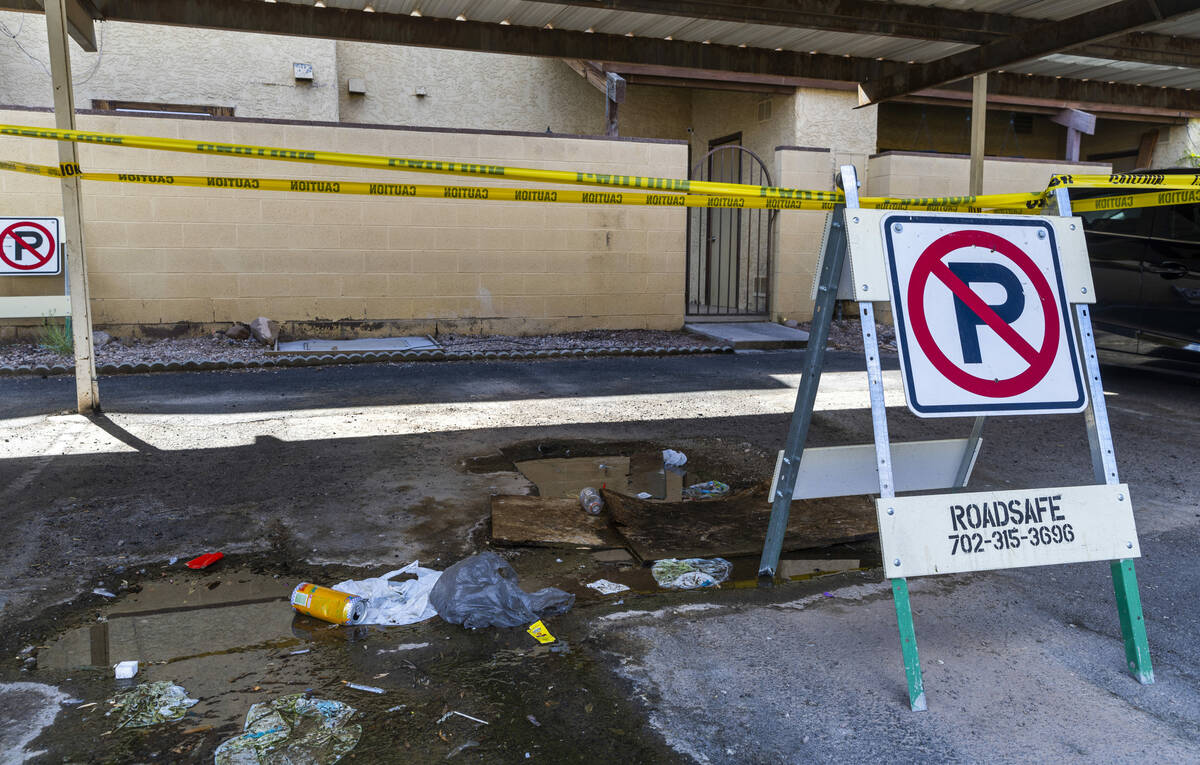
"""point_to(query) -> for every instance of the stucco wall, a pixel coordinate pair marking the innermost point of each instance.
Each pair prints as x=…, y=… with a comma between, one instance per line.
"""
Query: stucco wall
x=1178, y=146
x=139, y=62
x=494, y=92
x=719, y=113
x=162, y=255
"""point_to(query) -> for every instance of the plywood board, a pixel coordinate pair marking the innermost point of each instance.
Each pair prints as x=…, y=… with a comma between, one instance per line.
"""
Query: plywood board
x=735, y=525
x=549, y=521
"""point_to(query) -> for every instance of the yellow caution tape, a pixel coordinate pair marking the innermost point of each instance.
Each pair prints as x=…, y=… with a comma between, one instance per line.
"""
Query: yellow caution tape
x=422, y=165
x=1129, y=201
x=492, y=193
x=1017, y=202
x=1128, y=180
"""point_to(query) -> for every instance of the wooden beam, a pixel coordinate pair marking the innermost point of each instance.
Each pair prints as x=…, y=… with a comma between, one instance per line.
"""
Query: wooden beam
x=87, y=391
x=701, y=84
x=978, y=132
x=1145, y=155
x=918, y=22
x=614, y=96
x=1044, y=39
x=342, y=24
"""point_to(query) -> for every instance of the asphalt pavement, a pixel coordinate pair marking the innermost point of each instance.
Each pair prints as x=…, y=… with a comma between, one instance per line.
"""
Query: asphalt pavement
x=367, y=465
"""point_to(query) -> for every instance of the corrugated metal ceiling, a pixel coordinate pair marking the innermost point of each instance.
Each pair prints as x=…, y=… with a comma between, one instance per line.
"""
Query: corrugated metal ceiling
x=535, y=14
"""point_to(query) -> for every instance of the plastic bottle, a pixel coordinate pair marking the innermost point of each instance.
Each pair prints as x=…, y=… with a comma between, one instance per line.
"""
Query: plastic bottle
x=589, y=500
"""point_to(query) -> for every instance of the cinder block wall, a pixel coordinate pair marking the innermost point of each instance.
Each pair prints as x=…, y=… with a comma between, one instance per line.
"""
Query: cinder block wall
x=911, y=174
x=188, y=259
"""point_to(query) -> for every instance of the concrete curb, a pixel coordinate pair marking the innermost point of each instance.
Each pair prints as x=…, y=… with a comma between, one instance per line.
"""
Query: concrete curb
x=311, y=360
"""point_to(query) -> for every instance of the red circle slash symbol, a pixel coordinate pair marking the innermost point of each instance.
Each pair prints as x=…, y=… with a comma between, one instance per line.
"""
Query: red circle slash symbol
x=1040, y=359
x=39, y=259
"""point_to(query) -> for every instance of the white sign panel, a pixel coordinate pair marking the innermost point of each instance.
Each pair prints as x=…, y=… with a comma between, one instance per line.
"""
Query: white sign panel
x=983, y=323
x=31, y=246
x=952, y=533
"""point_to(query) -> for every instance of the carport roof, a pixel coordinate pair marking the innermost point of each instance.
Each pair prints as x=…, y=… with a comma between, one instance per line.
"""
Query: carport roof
x=1141, y=56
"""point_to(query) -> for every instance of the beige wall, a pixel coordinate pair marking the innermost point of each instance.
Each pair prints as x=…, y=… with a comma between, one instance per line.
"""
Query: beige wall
x=139, y=62
x=495, y=92
x=162, y=255
x=719, y=113
x=903, y=174
x=799, y=232
x=1178, y=146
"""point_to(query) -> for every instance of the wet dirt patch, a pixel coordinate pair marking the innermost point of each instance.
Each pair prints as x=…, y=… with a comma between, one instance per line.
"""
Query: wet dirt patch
x=230, y=638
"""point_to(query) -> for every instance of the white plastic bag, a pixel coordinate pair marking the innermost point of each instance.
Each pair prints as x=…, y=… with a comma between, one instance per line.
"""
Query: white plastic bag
x=672, y=458
x=395, y=603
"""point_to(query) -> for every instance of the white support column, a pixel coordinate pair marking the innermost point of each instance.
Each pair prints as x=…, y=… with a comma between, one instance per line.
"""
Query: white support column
x=87, y=393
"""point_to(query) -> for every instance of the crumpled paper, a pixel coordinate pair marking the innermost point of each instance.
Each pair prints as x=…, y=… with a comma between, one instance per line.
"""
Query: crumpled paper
x=150, y=704
x=290, y=730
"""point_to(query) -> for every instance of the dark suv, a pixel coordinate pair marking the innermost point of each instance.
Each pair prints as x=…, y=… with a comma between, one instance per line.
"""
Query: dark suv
x=1146, y=265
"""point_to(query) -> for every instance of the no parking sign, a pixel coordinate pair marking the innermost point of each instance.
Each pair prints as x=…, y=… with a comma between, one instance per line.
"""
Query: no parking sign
x=982, y=318
x=30, y=246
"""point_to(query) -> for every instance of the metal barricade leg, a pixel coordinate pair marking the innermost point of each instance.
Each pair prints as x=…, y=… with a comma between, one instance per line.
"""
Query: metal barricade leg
x=1104, y=462
x=806, y=395
x=887, y=490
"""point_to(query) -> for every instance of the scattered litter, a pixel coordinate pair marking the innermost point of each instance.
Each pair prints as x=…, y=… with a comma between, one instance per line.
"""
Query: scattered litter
x=533, y=720
x=460, y=714
x=174, y=559
x=395, y=603
x=205, y=560
x=706, y=490
x=827, y=594
x=381, y=675
x=460, y=747
x=297, y=653
x=104, y=592
x=396, y=708
x=673, y=458
x=367, y=688
x=691, y=573
x=589, y=500
x=293, y=728
x=644, y=495
x=150, y=704
x=605, y=587
x=540, y=633
x=328, y=604
x=403, y=647
x=482, y=591
x=125, y=670
x=85, y=706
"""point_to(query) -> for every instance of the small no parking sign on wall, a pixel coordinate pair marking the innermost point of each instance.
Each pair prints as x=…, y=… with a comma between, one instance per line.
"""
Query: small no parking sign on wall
x=31, y=246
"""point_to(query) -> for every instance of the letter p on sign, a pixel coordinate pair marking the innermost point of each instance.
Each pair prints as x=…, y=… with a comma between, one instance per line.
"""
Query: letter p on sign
x=982, y=320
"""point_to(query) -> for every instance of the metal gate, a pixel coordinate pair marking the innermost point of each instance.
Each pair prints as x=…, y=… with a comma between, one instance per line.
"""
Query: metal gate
x=729, y=249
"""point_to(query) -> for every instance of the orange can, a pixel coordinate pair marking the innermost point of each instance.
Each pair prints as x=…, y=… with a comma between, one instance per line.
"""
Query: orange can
x=327, y=604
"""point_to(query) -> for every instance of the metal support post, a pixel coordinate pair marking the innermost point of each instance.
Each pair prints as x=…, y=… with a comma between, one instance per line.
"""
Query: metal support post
x=1104, y=465
x=832, y=257
x=887, y=490
x=87, y=394
x=964, y=467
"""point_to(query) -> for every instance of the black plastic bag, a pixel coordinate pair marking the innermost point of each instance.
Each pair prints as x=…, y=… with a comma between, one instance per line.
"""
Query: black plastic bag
x=482, y=591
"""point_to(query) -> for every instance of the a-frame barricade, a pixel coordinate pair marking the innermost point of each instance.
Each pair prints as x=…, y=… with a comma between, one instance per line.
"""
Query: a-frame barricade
x=1031, y=353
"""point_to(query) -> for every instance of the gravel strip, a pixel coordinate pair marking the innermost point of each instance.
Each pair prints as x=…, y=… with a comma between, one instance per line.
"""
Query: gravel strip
x=219, y=352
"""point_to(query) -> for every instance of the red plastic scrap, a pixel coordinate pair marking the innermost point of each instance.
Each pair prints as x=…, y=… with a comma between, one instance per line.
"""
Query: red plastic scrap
x=205, y=560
